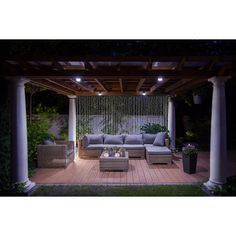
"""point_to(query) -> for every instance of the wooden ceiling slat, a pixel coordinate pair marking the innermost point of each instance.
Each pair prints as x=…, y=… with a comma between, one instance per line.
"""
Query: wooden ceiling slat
x=61, y=85
x=121, y=85
x=140, y=84
x=100, y=84
x=157, y=85
x=83, y=86
x=176, y=85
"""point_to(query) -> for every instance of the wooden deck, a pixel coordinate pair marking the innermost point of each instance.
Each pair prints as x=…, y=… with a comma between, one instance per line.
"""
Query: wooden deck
x=86, y=171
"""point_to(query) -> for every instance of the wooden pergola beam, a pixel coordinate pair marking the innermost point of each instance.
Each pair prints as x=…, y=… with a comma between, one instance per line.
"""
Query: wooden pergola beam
x=140, y=84
x=101, y=85
x=121, y=85
x=157, y=85
x=61, y=85
x=83, y=86
x=177, y=85
x=42, y=85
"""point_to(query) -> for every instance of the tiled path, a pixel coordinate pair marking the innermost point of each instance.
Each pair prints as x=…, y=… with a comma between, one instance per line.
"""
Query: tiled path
x=86, y=171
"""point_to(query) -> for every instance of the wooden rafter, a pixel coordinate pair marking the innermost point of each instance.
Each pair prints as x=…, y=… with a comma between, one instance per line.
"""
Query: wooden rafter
x=181, y=63
x=83, y=86
x=61, y=85
x=121, y=85
x=177, y=85
x=50, y=88
x=140, y=84
x=101, y=85
x=157, y=85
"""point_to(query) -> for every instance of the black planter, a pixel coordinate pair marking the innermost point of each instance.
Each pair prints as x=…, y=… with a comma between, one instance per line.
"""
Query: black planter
x=190, y=164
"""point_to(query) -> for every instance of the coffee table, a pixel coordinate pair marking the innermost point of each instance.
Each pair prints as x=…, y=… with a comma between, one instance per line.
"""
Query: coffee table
x=114, y=163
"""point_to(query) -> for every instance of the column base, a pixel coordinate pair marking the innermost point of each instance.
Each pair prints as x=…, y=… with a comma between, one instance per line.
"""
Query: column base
x=29, y=186
x=210, y=185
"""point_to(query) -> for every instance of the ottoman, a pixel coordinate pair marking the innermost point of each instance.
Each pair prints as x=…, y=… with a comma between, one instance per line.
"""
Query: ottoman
x=158, y=154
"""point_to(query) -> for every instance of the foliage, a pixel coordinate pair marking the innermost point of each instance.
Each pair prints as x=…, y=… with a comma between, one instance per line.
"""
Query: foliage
x=99, y=190
x=153, y=128
x=189, y=150
x=5, y=178
x=229, y=189
x=38, y=131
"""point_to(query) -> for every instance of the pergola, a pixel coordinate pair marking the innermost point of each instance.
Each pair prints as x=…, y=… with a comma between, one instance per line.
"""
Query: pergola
x=75, y=76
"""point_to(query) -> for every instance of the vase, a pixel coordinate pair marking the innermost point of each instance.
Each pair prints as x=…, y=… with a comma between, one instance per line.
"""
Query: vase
x=197, y=99
x=117, y=154
x=190, y=163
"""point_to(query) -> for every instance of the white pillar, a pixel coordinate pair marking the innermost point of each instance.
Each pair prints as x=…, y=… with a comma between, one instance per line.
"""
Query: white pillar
x=19, y=144
x=171, y=122
x=218, y=148
x=72, y=121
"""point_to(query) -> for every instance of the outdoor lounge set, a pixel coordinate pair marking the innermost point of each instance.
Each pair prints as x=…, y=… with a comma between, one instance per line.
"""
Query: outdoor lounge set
x=155, y=147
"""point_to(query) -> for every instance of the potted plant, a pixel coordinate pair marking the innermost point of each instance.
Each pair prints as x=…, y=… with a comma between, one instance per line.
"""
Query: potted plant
x=190, y=159
x=122, y=151
x=106, y=151
x=198, y=94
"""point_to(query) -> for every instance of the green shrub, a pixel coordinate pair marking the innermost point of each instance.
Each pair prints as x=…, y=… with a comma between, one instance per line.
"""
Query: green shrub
x=5, y=154
x=152, y=128
x=38, y=131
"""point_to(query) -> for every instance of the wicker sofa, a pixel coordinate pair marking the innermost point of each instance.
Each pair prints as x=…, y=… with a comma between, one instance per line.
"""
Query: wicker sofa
x=60, y=154
x=137, y=146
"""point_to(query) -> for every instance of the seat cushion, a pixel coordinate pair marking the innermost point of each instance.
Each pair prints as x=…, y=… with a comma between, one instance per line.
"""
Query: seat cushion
x=149, y=138
x=134, y=139
x=93, y=139
x=157, y=150
x=113, y=139
x=160, y=139
x=49, y=142
x=133, y=146
x=101, y=146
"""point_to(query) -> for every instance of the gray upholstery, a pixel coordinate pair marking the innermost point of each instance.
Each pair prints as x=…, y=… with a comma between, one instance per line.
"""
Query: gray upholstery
x=149, y=138
x=133, y=146
x=134, y=139
x=160, y=139
x=157, y=150
x=113, y=139
x=92, y=139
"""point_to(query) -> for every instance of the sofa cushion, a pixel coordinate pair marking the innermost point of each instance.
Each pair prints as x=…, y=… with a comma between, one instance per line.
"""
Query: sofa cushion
x=158, y=150
x=113, y=139
x=160, y=139
x=93, y=139
x=149, y=138
x=133, y=139
x=133, y=146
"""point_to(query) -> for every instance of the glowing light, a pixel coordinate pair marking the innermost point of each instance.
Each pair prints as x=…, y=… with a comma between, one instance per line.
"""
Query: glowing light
x=99, y=94
x=159, y=79
x=144, y=93
x=78, y=79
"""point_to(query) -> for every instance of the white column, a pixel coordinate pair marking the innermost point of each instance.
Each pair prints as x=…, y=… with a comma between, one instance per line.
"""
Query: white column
x=218, y=148
x=171, y=122
x=19, y=144
x=72, y=121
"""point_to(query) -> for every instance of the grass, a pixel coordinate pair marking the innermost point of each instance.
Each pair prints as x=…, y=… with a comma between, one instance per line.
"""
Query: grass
x=101, y=190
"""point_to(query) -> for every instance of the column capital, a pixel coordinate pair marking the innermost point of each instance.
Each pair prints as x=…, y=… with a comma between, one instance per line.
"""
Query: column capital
x=72, y=96
x=219, y=80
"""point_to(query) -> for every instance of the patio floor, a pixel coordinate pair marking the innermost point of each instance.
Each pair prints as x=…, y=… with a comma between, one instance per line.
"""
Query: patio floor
x=86, y=171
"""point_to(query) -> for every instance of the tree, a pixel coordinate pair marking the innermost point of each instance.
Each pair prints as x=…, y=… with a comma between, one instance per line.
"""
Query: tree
x=31, y=90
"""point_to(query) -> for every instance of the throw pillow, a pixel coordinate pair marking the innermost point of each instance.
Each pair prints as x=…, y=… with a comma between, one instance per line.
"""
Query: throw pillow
x=133, y=139
x=149, y=138
x=113, y=139
x=160, y=139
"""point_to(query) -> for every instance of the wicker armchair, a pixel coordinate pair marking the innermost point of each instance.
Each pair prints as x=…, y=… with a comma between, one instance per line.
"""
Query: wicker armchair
x=55, y=156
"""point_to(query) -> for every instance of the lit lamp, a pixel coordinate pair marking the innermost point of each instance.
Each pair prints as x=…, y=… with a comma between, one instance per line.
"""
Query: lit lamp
x=144, y=93
x=160, y=79
x=78, y=79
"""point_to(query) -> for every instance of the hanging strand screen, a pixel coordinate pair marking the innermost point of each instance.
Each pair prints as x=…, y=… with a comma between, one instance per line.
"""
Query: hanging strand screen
x=119, y=114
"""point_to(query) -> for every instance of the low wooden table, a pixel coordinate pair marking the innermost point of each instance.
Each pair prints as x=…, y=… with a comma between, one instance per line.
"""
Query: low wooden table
x=114, y=163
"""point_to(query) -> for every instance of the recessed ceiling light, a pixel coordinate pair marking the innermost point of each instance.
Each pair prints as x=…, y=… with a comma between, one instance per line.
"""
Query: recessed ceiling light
x=99, y=94
x=78, y=79
x=144, y=93
x=159, y=79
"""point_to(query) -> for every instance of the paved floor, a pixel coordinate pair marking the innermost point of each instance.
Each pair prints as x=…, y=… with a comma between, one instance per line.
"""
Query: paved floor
x=86, y=171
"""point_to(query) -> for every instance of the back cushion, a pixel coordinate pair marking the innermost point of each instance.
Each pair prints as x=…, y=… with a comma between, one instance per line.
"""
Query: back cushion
x=93, y=139
x=149, y=138
x=160, y=139
x=113, y=139
x=134, y=139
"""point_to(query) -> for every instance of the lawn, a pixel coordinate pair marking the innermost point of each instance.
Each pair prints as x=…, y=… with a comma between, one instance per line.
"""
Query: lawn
x=101, y=190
